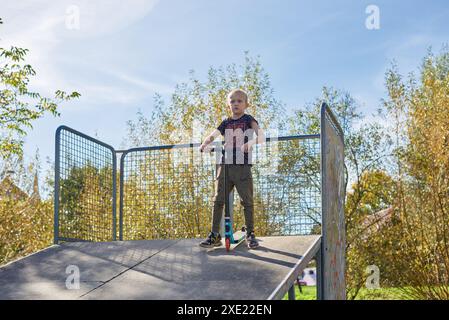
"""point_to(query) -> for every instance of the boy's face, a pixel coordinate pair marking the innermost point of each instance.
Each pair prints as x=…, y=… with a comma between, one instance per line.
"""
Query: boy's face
x=237, y=103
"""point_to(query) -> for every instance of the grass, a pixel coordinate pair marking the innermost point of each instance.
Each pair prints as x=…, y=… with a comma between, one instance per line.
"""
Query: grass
x=380, y=294
x=309, y=293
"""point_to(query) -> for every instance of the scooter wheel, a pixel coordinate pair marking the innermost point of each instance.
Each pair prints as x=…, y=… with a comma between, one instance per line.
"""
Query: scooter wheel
x=228, y=244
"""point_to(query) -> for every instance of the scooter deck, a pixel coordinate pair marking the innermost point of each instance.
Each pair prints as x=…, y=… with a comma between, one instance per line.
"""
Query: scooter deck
x=239, y=236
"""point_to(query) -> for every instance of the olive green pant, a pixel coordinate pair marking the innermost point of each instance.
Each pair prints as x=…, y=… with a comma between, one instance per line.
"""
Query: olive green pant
x=240, y=176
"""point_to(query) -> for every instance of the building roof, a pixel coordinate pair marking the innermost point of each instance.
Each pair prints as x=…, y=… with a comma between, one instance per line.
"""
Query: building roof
x=377, y=220
x=8, y=189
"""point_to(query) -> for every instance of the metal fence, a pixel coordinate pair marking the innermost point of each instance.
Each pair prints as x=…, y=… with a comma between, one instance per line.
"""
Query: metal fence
x=85, y=188
x=165, y=192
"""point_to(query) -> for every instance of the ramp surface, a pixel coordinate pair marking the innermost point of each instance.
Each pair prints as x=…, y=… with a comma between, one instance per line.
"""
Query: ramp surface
x=160, y=269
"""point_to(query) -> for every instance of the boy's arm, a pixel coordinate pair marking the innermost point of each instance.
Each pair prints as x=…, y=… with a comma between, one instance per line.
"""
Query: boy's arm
x=209, y=139
x=259, y=132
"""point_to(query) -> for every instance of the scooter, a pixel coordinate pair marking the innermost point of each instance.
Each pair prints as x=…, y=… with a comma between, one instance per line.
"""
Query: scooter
x=230, y=237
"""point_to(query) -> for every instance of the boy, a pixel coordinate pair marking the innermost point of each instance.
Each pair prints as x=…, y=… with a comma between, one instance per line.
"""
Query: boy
x=238, y=132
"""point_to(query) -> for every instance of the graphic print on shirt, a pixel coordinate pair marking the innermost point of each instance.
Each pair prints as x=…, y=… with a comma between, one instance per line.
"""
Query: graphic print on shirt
x=241, y=132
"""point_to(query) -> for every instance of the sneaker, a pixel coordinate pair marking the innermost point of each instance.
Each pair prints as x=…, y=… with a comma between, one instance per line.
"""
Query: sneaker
x=212, y=240
x=251, y=241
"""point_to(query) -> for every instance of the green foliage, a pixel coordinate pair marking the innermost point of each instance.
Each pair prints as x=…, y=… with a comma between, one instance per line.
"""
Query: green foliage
x=26, y=222
x=85, y=210
x=382, y=293
x=306, y=293
x=371, y=231
x=19, y=106
x=420, y=110
x=25, y=227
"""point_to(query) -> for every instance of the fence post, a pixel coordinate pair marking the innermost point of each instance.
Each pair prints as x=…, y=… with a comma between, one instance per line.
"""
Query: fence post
x=122, y=168
x=291, y=292
x=56, y=191
x=319, y=274
x=114, y=197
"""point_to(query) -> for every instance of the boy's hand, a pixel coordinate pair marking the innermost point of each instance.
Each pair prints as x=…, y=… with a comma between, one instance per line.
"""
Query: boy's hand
x=246, y=147
x=205, y=147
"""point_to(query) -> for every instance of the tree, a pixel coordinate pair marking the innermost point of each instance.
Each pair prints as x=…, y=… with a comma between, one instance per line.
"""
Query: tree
x=25, y=225
x=19, y=106
x=420, y=112
x=366, y=148
x=371, y=230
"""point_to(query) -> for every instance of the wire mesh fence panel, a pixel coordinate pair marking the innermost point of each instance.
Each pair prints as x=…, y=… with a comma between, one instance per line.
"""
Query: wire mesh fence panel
x=85, y=173
x=287, y=194
x=167, y=191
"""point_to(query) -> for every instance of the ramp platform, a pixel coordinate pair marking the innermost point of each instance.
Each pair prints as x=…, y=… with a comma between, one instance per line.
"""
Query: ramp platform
x=160, y=269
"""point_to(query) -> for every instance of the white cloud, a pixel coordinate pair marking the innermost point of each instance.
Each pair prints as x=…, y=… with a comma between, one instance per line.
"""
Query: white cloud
x=101, y=94
x=48, y=18
x=40, y=26
x=136, y=81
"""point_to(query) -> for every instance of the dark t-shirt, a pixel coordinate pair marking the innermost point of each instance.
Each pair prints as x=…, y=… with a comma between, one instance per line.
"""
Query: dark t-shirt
x=240, y=131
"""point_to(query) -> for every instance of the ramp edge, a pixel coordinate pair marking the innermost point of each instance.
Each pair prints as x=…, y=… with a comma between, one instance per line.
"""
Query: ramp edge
x=50, y=247
x=285, y=284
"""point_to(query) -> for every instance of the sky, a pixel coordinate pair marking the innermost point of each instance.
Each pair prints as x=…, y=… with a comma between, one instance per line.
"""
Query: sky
x=118, y=54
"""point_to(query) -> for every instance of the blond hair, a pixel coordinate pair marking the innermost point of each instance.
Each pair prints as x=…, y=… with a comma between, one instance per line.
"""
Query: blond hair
x=239, y=91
